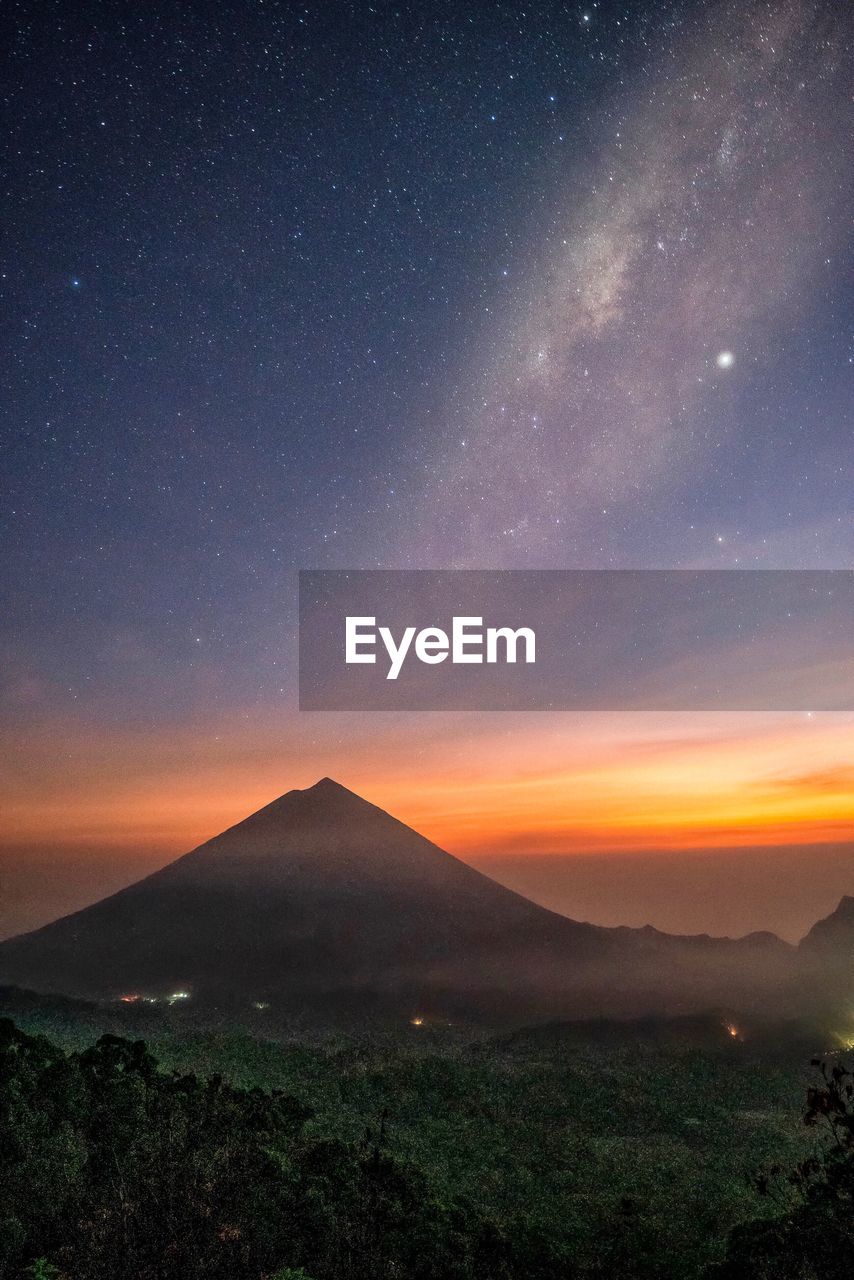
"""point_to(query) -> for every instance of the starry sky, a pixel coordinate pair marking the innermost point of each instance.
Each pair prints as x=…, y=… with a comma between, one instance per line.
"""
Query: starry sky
x=405, y=285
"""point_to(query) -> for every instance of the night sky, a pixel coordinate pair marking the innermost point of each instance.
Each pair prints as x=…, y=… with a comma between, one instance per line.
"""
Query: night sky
x=399, y=285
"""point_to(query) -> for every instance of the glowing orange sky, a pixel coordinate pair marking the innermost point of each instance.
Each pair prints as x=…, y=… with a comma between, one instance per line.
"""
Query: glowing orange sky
x=602, y=816
x=536, y=783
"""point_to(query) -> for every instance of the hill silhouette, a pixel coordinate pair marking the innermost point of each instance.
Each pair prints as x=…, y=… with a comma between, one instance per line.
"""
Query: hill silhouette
x=322, y=901
x=835, y=933
x=826, y=962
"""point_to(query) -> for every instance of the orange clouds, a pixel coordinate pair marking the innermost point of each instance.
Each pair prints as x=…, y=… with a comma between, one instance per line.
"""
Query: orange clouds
x=539, y=783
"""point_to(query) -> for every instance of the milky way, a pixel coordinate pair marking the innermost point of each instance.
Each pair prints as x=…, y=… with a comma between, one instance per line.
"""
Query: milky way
x=689, y=255
x=411, y=288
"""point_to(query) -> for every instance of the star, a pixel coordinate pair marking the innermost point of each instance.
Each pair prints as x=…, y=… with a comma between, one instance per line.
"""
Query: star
x=725, y=360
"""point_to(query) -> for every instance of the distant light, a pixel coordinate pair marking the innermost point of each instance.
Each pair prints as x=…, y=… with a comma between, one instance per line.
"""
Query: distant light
x=260, y=1004
x=725, y=360
x=417, y=1022
x=732, y=1030
x=178, y=995
x=130, y=999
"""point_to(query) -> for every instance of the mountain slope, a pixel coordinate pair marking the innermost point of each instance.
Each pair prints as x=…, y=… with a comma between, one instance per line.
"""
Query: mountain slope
x=834, y=934
x=321, y=897
x=826, y=962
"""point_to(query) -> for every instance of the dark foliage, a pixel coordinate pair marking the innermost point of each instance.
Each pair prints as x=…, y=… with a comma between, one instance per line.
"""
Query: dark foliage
x=112, y=1169
x=561, y=1154
x=813, y=1239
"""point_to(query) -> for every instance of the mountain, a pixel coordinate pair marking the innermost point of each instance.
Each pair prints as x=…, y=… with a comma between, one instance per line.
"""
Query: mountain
x=322, y=901
x=834, y=935
x=826, y=961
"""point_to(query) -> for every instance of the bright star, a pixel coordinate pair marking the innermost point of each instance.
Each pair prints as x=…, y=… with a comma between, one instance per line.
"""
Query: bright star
x=725, y=360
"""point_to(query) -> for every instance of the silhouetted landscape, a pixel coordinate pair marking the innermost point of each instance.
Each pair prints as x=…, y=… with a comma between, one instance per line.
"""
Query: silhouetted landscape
x=319, y=1046
x=426, y=668
x=322, y=903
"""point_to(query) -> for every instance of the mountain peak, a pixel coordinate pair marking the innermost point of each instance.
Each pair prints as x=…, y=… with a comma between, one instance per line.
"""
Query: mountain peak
x=835, y=930
x=326, y=788
x=330, y=787
x=323, y=800
x=321, y=897
x=319, y=890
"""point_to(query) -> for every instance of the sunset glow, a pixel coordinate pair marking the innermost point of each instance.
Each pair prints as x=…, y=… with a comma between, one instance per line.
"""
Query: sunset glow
x=519, y=784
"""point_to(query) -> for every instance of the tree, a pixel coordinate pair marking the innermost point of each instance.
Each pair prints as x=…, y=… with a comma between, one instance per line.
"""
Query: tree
x=813, y=1239
x=112, y=1169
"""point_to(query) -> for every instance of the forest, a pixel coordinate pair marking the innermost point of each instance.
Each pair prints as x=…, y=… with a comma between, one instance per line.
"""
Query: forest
x=670, y=1150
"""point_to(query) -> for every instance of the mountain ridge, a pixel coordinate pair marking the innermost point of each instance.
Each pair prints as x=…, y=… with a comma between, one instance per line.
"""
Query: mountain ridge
x=322, y=896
